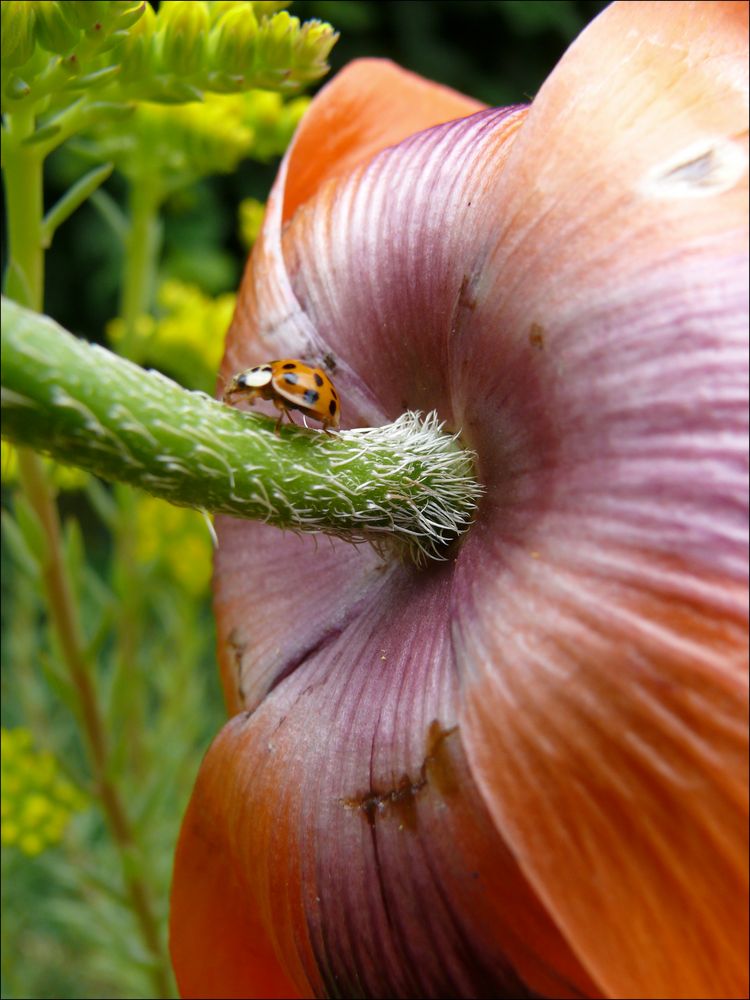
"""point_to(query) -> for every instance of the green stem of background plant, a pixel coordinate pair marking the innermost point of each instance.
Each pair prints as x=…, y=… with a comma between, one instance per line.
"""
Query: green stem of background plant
x=24, y=210
x=141, y=259
x=65, y=620
x=23, y=176
x=137, y=292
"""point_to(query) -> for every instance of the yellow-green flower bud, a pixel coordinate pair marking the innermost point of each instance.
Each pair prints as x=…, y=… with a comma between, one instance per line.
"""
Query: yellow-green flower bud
x=218, y=8
x=105, y=22
x=54, y=31
x=265, y=8
x=137, y=55
x=232, y=42
x=276, y=42
x=85, y=14
x=18, y=39
x=130, y=13
x=312, y=48
x=182, y=28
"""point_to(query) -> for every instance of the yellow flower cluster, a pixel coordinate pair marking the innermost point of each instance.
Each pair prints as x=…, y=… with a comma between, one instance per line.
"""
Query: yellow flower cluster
x=36, y=801
x=251, y=219
x=168, y=147
x=176, y=538
x=187, y=340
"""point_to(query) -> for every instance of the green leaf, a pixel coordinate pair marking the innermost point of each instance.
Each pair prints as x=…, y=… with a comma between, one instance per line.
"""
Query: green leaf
x=101, y=500
x=18, y=547
x=111, y=212
x=42, y=134
x=57, y=679
x=31, y=530
x=74, y=553
x=73, y=199
x=98, y=78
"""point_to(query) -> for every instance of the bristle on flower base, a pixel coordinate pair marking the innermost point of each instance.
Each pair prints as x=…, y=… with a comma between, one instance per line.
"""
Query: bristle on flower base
x=428, y=486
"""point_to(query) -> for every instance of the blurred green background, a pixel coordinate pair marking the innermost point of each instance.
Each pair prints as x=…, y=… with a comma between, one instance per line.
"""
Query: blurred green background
x=499, y=51
x=142, y=568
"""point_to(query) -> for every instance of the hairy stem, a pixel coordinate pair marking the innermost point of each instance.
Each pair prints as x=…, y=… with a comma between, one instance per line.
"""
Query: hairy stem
x=406, y=482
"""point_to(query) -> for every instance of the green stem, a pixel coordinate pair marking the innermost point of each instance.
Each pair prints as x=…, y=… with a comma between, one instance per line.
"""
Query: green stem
x=142, y=247
x=406, y=482
x=23, y=166
x=64, y=616
x=24, y=207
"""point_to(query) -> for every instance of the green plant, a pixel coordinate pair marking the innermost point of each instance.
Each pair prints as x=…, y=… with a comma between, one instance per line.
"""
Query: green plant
x=83, y=631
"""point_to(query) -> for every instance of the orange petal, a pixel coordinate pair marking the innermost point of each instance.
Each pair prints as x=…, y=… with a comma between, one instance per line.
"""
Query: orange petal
x=341, y=817
x=370, y=104
x=604, y=640
x=218, y=943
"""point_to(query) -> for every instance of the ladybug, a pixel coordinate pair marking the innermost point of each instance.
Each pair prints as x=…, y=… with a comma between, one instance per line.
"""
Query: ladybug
x=289, y=385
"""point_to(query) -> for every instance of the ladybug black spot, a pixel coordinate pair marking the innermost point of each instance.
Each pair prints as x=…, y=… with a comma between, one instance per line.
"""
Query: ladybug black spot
x=291, y=378
x=318, y=379
x=311, y=396
x=289, y=365
x=332, y=407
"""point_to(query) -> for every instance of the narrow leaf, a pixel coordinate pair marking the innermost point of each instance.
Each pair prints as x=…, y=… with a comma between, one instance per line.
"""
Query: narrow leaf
x=73, y=199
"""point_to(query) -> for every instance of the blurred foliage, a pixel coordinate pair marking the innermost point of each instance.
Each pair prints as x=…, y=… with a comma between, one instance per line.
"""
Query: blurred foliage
x=186, y=336
x=497, y=50
x=36, y=801
x=141, y=568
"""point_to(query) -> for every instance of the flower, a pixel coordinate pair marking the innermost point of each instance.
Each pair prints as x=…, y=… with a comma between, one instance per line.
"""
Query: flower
x=37, y=802
x=522, y=772
x=186, y=339
x=175, y=539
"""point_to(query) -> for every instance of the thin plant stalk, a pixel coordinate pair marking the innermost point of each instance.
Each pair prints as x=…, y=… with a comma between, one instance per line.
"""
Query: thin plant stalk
x=23, y=177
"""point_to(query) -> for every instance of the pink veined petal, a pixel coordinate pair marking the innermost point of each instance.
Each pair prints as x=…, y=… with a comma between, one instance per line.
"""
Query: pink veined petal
x=344, y=808
x=569, y=297
x=602, y=632
x=370, y=105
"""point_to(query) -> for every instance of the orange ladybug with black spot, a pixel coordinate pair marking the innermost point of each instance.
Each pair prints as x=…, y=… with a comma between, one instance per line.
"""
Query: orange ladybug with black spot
x=289, y=385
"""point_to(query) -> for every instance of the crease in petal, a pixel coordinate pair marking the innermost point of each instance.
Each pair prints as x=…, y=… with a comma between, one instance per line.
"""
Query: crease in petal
x=383, y=262
x=370, y=105
x=349, y=812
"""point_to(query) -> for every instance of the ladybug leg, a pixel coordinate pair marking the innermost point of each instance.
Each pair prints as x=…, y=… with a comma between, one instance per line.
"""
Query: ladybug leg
x=281, y=405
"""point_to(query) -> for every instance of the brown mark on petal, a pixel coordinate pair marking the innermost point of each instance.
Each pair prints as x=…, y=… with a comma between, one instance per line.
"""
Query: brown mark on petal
x=329, y=360
x=466, y=297
x=466, y=301
x=238, y=646
x=437, y=768
x=536, y=336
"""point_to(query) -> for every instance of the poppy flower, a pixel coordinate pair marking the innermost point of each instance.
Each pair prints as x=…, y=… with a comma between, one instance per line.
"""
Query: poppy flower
x=522, y=771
